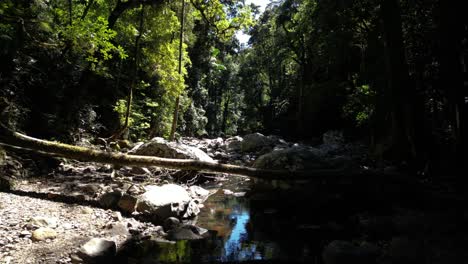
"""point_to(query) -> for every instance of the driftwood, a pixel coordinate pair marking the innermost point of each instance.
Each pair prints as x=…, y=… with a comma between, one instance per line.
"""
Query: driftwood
x=15, y=139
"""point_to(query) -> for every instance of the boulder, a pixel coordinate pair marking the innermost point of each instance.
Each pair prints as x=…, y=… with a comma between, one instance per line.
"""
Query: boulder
x=159, y=147
x=164, y=201
x=294, y=158
x=234, y=144
x=97, y=248
x=255, y=142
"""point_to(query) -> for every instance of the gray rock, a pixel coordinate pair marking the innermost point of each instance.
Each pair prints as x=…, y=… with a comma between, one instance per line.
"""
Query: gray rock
x=97, y=248
x=255, y=142
x=161, y=148
x=293, y=159
x=163, y=201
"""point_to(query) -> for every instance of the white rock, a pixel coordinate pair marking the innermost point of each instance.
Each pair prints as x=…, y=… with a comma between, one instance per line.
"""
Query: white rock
x=97, y=247
x=163, y=201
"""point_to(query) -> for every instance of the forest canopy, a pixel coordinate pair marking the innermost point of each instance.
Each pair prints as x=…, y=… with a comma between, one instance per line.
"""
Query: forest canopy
x=392, y=73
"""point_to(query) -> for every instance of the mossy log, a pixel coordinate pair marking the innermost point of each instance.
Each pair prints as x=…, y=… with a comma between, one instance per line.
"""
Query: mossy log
x=15, y=139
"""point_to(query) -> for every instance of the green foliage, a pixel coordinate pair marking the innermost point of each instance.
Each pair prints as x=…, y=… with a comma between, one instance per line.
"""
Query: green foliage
x=360, y=105
x=94, y=39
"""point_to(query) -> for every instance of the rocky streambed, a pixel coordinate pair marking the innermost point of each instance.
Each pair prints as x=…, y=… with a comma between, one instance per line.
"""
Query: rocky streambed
x=85, y=213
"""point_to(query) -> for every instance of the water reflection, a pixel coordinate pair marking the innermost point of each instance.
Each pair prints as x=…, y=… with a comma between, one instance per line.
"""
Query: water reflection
x=230, y=217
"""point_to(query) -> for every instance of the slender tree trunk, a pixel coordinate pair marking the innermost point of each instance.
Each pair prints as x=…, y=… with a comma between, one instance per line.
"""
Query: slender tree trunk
x=181, y=41
x=136, y=62
x=225, y=114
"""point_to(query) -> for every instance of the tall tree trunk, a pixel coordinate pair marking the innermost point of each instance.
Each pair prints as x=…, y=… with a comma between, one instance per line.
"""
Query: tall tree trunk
x=181, y=42
x=398, y=93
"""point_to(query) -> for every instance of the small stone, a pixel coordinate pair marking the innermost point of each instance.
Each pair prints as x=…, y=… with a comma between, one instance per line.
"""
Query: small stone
x=43, y=233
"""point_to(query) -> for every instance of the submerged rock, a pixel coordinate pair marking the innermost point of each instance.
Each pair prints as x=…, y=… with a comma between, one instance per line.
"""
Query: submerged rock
x=161, y=148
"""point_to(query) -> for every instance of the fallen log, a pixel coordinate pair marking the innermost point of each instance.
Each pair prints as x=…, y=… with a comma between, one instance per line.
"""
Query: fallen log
x=15, y=139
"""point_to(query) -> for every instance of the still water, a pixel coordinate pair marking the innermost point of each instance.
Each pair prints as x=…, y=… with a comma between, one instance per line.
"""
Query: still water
x=260, y=226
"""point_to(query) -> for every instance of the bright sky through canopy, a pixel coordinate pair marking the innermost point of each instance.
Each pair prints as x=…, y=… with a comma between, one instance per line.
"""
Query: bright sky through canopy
x=243, y=38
